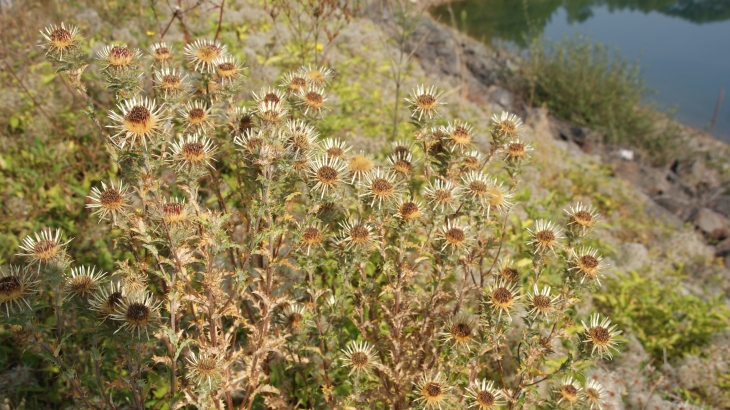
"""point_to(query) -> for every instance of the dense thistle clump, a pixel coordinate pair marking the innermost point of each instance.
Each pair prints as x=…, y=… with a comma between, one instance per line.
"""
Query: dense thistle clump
x=267, y=263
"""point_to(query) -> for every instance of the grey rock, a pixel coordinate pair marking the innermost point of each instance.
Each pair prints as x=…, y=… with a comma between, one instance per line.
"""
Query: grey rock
x=721, y=205
x=722, y=249
x=632, y=256
x=502, y=97
x=711, y=223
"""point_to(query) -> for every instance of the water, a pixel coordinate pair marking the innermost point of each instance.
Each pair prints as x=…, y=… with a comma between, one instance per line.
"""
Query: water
x=683, y=45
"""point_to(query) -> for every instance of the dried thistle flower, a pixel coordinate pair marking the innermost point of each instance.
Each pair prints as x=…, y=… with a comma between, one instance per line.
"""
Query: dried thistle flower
x=541, y=302
x=517, y=152
x=251, y=141
x=46, y=247
x=473, y=160
x=316, y=76
x=161, y=53
x=118, y=57
x=227, y=69
x=581, y=219
x=588, y=264
x=359, y=357
x=401, y=148
x=268, y=95
x=458, y=135
x=546, y=237
x=409, y=209
x=502, y=297
x=106, y=302
x=569, y=391
x=335, y=148
x=595, y=394
x=499, y=198
x=109, y=199
x=357, y=234
x=312, y=235
x=15, y=285
x=312, y=99
x=484, y=396
x=193, y=151
x=174, y=211
x=140, y=119
x=271, y=112
x=600, y=336
x=241, y=120
x=477, y=187
x=453, y=235
x=443, y=194
x=326, y=174
x=170, y=81
x=507, y=271
x=505, y=126
x=83, y=281
x=138, y=311
x=301, y=138
x=359, y=166
x=432, y=391
x=294, y=82
x=380, y=186
x=60, y=39
x=204, y=367
x=196, y=117
x=202, y=53
x=402, y=163
x=425, y=101
x=294, y=316
x=460, y=330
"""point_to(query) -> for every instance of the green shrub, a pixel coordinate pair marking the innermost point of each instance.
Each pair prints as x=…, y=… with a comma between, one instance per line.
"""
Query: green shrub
x=661, y=316
x=587, y=83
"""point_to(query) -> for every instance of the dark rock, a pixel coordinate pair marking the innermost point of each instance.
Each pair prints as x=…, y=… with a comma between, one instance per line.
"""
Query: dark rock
x=695, y=176
x=672, y=203
x=721, y=205
x=722, y=249
x=711, y=223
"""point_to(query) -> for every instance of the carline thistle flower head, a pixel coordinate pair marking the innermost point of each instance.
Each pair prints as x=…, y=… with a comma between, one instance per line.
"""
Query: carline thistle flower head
x=595, y=395
x=118, y=57
x=569, y=391
x=502, y=297
x=601, y=336
x=381, y=186
x=138, y=311
x=170, y=82
x=541, y=303
x=587, y=263
x=46, y=247
x=60, y=39
x=204, y=368
x=161, y=53
x=105, y=302
x=109, y=200
x=15, y=285
x=356, y=234
x=546, y=236
x=140, y=119
x=425, y=102
x=505, y=126
x=192, y=151
x=83, y=281
x=359, y=357
x=316, y=76
x=313, y=235
x=201, y=54
x=483, y=396
x=432, y=392
x=460, y=329
x=326, y=173
x=581, y=219
x=196, y=117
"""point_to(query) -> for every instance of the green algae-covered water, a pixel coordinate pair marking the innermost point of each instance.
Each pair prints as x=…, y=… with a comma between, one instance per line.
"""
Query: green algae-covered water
x=683, y=45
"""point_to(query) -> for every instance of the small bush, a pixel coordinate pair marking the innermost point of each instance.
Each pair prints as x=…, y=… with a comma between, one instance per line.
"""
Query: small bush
x=589, y=84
